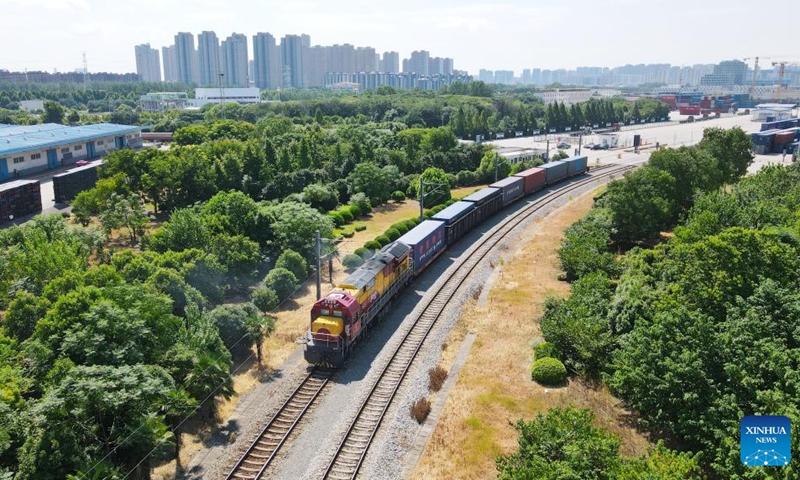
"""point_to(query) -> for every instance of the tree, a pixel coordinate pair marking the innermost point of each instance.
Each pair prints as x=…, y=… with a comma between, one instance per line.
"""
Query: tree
x=731, y=148
x=563, y=443
x=237, y=253
x=641, y=204
x=124, y=212
x=294, y=225
x=258, y=328
x=294, y=262
x=53, y=113
x=490, y=163
x=559, y=155
x=265, y=299
x=439, y=139
x=585, y=246
x=22, y=315
x=233, y=323
x=371, y=180
x=436, y=187
x=320, y=197
x=185, y=229
x=282, y=282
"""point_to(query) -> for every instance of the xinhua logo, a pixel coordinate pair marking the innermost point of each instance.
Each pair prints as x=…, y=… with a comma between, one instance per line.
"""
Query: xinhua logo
x=766, y=441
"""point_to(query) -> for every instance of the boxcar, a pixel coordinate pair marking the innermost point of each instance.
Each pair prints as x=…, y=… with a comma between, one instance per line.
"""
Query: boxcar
x=533, y=179
x=487, y=202
x=459, y=218
x=510, y=189
x=555, y=171
x=426, y=241
x=576, y=165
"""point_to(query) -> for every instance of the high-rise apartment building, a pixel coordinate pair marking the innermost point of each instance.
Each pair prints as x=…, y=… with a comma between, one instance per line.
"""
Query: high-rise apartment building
x=418, y=62
x=208, y=54
x=365, y=60
x=267, y=66
x=486, y=76
x=234, y=61
x=186, y=57
x=390, y=62
x=293, y=51
x=342, y=58
x=148, y=64
x=170, y=63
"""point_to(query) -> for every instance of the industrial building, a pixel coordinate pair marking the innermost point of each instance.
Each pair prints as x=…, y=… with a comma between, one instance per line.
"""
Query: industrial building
x=35, y=148
x=771, y=112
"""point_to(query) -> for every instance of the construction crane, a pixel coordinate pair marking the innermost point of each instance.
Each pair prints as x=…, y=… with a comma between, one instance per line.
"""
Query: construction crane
x=755, y=75
x=781, y=73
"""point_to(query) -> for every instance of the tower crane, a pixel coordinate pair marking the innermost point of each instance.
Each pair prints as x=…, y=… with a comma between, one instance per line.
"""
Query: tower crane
x=781, y=73
x=755, y=75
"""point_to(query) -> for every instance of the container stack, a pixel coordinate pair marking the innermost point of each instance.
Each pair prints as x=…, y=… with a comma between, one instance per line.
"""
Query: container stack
x=67, y=185
x=763, y=141
x=784, y=140
x=780, y=124
x=19, y=198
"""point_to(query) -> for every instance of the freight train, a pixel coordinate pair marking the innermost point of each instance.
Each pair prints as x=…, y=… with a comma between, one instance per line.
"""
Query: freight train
x=341, y=318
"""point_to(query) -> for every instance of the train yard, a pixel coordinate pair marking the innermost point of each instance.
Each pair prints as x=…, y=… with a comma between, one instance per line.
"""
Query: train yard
x=347, y=459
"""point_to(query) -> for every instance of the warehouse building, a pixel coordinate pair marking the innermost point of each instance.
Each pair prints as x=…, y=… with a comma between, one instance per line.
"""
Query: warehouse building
x=34, y=148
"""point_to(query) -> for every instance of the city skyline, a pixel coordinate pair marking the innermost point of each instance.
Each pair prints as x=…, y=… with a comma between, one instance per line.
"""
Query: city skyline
x=510, y=35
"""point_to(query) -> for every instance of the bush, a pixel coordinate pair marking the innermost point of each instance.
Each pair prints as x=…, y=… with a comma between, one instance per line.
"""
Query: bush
x=411, y=222
x=294, y=262
x=545, y=350
x=398, y=196
x=346, y=215
x=420, y=409
x=392, y=234
x=436, y=378
x=400, y=227
x=361, y=252
x=282, y=281
x=372, y=245
x=355, y=210
x=337, y=217
x=383, y=240
x=265, y=299
x=348, y=234
x=351, y=260
x=360, y=228
x=549, y=371
x=362, y=201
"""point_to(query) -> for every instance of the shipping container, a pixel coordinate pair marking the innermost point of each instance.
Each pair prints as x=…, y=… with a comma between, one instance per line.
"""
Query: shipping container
x=487, y=202
x=459, y=218
x=576, y=165
x=67, y=185
x=555, y=171
x=427, y=241
x=690, y=110
x=533, y=179
x=511, y=189
x=19, y=198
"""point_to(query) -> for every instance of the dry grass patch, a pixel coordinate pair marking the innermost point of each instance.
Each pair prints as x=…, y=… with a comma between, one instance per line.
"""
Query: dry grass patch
x=436, y=378
x=420, y=409
x=494, y=388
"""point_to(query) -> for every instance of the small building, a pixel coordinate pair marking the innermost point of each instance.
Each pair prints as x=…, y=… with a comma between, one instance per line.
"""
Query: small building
x=520, y=154
x=608, y=140
x=163, y=101
x=772, y=112
x=31, y=106
x=204, y=96
x=34, y=148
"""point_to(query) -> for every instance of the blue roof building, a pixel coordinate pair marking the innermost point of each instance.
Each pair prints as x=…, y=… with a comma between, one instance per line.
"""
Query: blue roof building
x=26, y=149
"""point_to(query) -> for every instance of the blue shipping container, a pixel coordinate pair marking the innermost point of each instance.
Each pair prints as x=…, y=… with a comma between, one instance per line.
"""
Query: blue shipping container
x=426, y=241
x=576, y=165
x=511, y=188
x=555, y=171
x=454, y=212
x=459, y=218
x=483, y=195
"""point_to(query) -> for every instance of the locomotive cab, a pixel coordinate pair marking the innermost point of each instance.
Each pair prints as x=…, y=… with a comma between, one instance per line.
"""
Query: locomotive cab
x=331, y=320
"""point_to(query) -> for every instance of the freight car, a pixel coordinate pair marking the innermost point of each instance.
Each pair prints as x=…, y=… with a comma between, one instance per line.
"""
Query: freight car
x=340, y=319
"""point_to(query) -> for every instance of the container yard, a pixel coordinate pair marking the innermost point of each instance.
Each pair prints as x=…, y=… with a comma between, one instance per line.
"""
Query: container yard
x=67, y=185
x=19, y=198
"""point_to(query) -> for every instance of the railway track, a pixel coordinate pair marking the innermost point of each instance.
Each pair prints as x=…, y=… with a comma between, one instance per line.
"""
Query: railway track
x=350, y=455
x=263, y=450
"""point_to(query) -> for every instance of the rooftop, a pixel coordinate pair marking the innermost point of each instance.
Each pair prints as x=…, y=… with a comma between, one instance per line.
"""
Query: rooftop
x=23, y=138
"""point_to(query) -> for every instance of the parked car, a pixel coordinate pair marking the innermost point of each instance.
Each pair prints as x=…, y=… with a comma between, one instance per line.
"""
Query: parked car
x=563, y=145
x=81, y=163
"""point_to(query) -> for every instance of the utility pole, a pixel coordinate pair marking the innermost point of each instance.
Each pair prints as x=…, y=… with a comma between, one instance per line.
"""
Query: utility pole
x=319, y=264
x=421, y=199
x=496, y=165
x=221, y=94
x=580, y=142
x=547, y=155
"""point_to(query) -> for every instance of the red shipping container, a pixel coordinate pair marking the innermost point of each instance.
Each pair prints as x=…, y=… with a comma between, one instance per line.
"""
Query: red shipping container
x=533, y=179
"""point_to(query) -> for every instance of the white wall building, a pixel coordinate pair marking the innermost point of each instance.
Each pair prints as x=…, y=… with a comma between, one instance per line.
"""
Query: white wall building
x=773, y=111
x=204, y=96
x=569, y=96
x=29, y=106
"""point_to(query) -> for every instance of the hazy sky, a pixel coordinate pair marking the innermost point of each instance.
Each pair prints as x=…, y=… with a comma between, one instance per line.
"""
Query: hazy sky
x=507, y=34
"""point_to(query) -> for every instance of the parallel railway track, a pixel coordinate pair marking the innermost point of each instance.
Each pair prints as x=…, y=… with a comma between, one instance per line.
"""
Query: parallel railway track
x=352, y=450
x=350, y=455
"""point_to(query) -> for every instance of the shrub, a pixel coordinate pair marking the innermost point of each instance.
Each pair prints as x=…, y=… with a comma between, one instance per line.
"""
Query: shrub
x=282, y=281
x=411, y=222
x=549, y=371
x=337, y=217
x=361, y=252
x=360, y=228
x=428, y=214
x=398, y=196
x=393, y=234
x=383, y=240
x=346, y=215
x=372, y=245
x=265, y=299
x=348, y=234
x=294, y=262
x=544, y=350
x=400, y=227
x=355, y=210
x=436, y=378
x=420, y=409
x=351, y=260
x=362, y=201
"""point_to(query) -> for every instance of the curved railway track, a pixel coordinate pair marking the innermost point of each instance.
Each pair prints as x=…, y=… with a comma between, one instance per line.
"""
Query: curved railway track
x=350, y=455
x=259, y=455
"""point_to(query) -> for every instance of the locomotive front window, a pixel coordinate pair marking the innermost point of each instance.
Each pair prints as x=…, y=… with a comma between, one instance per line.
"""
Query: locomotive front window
x=325, y=311
x=337, y=314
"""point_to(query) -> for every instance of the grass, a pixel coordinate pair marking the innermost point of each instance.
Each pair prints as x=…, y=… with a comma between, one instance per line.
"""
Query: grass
x=494, y=387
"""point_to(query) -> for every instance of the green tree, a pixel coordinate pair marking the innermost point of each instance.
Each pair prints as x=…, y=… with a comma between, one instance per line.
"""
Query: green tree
x=641, y=204
x=265, y=299
x=185, y=229
x=294, y=262
x=53, y=113
x=282, y=282
x=294, y=225
x=731, y=148
x=124, y=212
x=371, y=180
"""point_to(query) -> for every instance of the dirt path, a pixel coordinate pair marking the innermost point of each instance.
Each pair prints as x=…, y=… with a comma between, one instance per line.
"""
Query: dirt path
x=494, y=387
